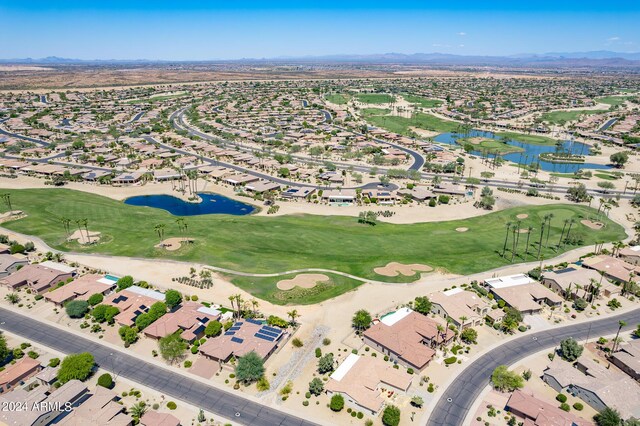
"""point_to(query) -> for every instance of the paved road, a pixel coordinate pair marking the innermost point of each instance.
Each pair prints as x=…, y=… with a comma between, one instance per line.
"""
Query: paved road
x=468, y=386
x=172, y=384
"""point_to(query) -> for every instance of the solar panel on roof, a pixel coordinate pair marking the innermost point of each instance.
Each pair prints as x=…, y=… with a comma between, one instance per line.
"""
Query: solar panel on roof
x=565, y=270
x=235, y=328
x=252, y=321
x=238, y=324
x=269, y=333
x=229, y=333
x=266, y=327
x=237, y=340
x=264, y=337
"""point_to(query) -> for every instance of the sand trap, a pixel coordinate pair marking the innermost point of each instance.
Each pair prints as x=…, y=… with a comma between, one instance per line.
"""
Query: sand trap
x=302, y=280
x=81, y=237
x=591, y=224
x=12, y=215
x=522, y=216
x=173, y=244
x=462, y=229
x=523, y=231
x=393, y=269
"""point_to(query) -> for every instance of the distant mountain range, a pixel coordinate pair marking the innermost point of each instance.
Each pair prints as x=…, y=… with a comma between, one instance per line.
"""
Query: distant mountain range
x=603, y=58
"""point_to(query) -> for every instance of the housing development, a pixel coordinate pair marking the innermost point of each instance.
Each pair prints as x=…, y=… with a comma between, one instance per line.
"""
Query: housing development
x=384, y=239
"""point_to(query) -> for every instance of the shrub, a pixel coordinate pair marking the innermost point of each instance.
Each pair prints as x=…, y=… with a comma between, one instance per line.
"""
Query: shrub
x=263, y=384
x=95, y=299
x=54, y=362
x=105, y=380
x=305, y=402
x=316, y=386
x=561, y=397
x=188, y=364
x=578, y=406
x=76, y=366
x=450, y=360
x=102, y=313
x=326, y=341
x=77, y=308
x=522, y=329
x=125, y=282
x=250, y=368
x=194, y=349
x=171, y=405
x=297, y=343
x=391, y=416
x=318, y=352
x=564, y=406
x=469, y=335
x=360, y=415
x=337, y=402
x=213, y=329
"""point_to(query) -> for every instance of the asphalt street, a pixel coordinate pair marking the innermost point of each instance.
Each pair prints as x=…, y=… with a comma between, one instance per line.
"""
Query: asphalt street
x=232, y=406
x=456, y=400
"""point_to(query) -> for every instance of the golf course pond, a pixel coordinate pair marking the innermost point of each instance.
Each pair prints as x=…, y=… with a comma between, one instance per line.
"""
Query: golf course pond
x=211, y=204
x=528, y=152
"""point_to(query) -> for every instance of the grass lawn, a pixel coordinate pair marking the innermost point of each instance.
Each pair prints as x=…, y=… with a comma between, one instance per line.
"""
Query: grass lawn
x=262, y=244
x=337, y=98
x=568, y=175
x=266, y=288
x=374, y=98
x=491, y=145
x=561, y=117
x=530, y=139
x=369, y=112
x=423, y=102
x=605, y=176
x=423, y=121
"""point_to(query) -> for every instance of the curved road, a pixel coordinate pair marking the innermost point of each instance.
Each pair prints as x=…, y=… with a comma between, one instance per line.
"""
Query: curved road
x=456, y=400
x=226, y=404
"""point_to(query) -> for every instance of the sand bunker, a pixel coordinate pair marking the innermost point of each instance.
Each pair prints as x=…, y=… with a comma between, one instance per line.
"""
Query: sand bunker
x=522, y=216
x=523, y=231
x=393, y=269
x=173, y=244
x=302, y=280
x=591, y=224
x=462, y=229
x=84, y=237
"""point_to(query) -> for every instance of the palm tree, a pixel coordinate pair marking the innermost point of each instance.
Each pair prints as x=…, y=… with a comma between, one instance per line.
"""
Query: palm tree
x=506, y=238
x=542, y=226
x=12, y=298
x=85, y=224
x=572, y=221
x=529, y=230
x=548, y=218
x=293, y=314
x=137, y=410
x=232, y=298
x=515, y=230
x=7, y=199
x=254, y=306
x=159, y=228
x=65, y=223
x=239, y=304
x=517, y=235
x=562, y=233
x=181, y=227
x=615, y=341
x=462, y=321
x=79, y=225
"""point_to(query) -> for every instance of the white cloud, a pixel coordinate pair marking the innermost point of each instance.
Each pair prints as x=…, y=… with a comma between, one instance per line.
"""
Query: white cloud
x=462, y=34
x=616, y=38
x=461, y=45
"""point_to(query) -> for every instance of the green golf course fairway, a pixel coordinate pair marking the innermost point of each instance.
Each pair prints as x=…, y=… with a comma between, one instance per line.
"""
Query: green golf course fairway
x=262, y=244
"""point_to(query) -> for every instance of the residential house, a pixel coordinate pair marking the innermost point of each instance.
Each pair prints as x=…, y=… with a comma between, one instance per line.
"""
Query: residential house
x=407, y=337
x=456, y=304
x=81, y=288
x=100, y=408
x=578, y=282
x=37, y=277
x=10, y=264
x=361, y=379
x=190, y=318
x=595, y=384
x=243, y=337
x=153, y=418
x=627, y=358
x=617, y=270
x=522, y=293
x=132, y=302
x=16, y=374
x=630, y=255
x=536, y=412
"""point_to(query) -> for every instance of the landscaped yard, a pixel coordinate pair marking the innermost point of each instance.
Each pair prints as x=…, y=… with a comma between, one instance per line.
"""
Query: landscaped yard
x=273, y=244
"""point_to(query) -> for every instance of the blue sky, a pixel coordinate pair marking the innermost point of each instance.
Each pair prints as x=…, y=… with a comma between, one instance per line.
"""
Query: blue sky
x=200, y=30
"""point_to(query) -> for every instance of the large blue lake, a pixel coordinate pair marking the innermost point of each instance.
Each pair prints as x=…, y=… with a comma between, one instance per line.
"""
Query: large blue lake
x=531, y=152
x=211, y=204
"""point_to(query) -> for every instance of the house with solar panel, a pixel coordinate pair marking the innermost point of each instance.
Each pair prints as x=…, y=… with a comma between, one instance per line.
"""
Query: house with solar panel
x=243, y=337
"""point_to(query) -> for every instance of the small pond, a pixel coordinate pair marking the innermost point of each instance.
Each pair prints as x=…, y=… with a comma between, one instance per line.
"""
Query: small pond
x=531, y=151
x=211, y=204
